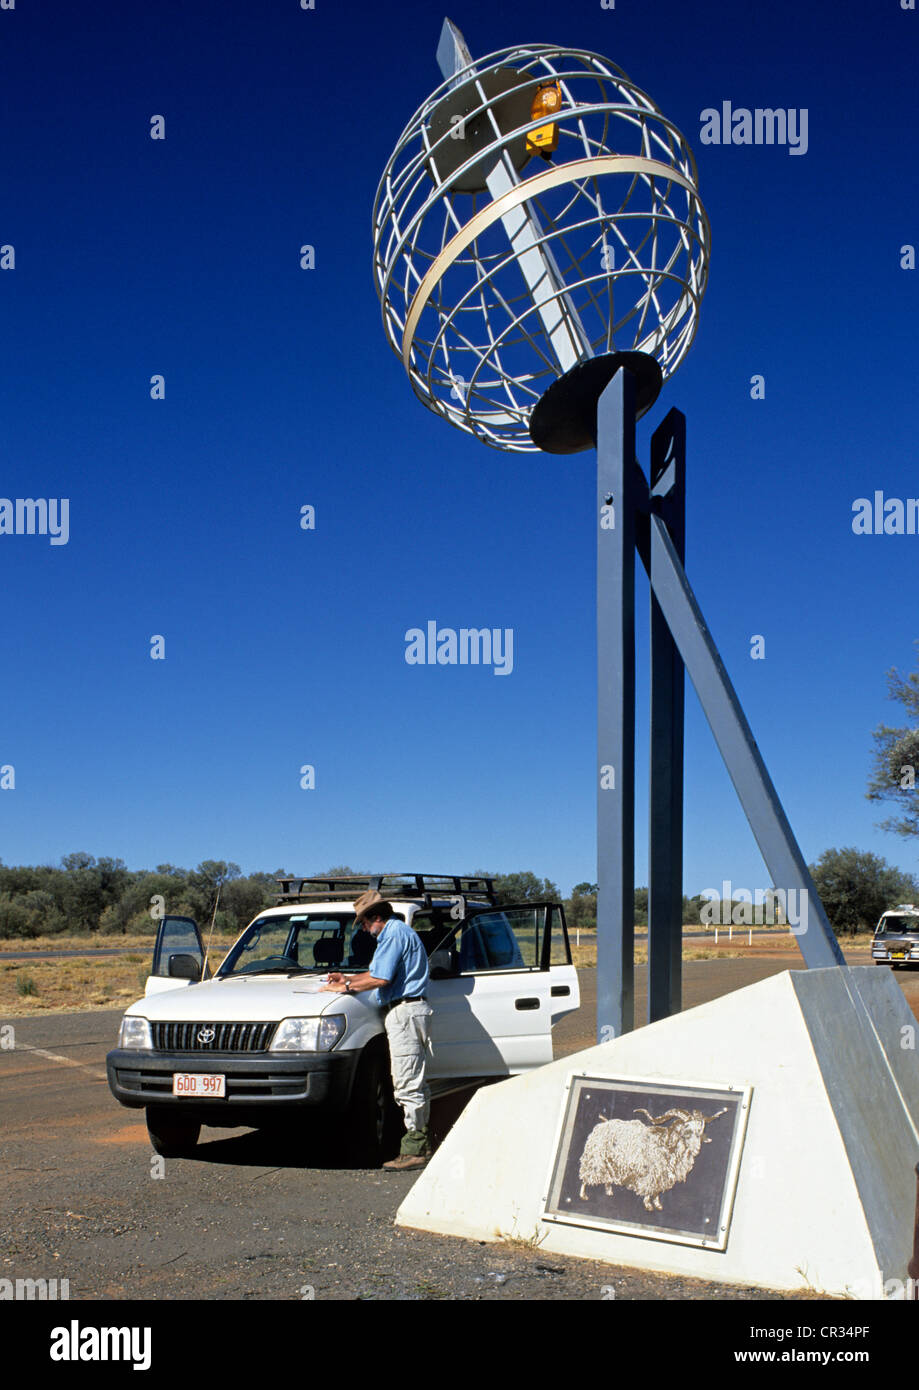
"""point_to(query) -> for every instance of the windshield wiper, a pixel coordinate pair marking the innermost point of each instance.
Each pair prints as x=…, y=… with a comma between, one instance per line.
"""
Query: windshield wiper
x=269, y=970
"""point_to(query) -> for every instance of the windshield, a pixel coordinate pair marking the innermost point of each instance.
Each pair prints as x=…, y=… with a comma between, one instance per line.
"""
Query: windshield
x=898, y=926
x=299, y=944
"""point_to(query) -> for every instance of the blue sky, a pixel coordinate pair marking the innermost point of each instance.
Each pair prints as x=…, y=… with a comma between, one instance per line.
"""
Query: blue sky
x=286, y=647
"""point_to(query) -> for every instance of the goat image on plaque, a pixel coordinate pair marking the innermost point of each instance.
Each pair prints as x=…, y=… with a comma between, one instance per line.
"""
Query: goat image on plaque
x=657, y=1159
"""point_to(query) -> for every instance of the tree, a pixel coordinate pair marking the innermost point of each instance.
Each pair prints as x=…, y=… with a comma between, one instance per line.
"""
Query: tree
x=896, y=758
x=85, y=892
x=243, y=898
x=204, y=885
x=692, y=908
x=856, y=887
x=581, y=907
x=521, y=887
x=73, y=863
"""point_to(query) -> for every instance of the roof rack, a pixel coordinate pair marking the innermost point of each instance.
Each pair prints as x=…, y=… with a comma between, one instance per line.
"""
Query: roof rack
x=426, y=886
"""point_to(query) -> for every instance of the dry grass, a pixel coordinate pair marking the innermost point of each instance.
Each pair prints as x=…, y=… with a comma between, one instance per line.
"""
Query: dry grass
x=94, y=942
x=82, y=982
x=777, y=942
x=68, y=986
x=84, y=942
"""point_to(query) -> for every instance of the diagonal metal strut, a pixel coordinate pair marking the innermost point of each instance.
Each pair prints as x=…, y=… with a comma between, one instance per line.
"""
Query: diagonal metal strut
x=754, y=787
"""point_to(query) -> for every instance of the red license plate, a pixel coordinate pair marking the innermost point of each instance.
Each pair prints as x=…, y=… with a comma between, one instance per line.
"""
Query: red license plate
x=198, y=1083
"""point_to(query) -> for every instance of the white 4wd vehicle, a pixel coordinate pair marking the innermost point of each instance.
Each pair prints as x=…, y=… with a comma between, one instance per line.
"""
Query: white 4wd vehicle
x=896, y=937
x=261, y=1043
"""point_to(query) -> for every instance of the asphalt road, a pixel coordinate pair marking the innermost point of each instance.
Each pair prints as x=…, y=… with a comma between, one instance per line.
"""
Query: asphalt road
x=250, y=1216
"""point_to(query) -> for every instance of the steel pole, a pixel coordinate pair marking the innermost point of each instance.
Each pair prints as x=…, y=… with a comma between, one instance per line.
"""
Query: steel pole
x=616, y=489
x=665, y=849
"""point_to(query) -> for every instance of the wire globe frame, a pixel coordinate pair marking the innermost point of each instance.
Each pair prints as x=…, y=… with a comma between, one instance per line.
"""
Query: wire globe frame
x=614, y=225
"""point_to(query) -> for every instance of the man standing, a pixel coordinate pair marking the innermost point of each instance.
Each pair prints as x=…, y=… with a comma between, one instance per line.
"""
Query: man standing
x=399, y=973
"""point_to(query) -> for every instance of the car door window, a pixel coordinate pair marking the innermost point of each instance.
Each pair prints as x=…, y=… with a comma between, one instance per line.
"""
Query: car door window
x=521, y=937
x=437, y=931
x=556, y=949
x=508, y=939
x=176, y=937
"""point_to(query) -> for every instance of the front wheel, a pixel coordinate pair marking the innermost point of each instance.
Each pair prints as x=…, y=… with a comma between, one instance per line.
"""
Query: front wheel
x=170, y=1134
x=372, y=1114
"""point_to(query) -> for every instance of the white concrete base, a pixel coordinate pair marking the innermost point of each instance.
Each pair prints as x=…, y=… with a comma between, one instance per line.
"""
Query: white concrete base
x=826, y=1192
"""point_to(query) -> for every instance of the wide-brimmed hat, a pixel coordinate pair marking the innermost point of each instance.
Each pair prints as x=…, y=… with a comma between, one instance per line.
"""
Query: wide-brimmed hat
x=366, y=902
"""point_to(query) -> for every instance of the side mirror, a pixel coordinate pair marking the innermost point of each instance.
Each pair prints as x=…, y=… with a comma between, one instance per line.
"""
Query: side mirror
x=184, y=968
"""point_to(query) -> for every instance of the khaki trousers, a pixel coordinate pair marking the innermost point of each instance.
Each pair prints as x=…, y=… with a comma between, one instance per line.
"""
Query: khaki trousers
x=407, y=1028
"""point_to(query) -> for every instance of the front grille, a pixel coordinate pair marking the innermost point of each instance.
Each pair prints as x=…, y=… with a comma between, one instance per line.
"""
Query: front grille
x=228, y=1037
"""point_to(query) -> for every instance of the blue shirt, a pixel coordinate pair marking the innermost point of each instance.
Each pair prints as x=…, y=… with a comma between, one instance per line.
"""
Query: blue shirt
x=399, y=958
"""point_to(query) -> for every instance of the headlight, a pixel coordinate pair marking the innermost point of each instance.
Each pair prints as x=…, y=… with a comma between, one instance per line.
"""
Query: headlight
x=308, y=1034
x=135, y=1032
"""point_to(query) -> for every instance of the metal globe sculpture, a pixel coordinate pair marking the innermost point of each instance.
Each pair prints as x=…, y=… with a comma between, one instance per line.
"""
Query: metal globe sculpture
x=538, y=211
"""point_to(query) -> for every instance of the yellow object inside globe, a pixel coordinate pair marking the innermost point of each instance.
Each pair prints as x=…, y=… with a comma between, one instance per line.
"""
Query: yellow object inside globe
x=547, y=100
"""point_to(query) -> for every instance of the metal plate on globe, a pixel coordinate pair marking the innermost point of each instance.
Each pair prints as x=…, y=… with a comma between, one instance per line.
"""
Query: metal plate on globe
x=466, y=115
x=656, y=1159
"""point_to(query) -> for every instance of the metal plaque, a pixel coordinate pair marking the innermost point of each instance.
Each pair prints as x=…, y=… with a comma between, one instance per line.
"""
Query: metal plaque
x=648, y=1158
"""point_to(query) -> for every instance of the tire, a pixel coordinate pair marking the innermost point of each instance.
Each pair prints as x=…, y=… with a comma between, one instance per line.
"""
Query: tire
x=170, y=1134
x=371, y=1122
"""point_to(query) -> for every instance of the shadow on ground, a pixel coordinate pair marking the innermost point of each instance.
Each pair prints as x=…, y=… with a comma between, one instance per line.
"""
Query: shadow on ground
x=319, y=1145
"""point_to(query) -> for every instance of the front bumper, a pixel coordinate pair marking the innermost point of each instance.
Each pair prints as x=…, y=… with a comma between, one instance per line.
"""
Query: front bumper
x=268, y=1082
x=896, y=953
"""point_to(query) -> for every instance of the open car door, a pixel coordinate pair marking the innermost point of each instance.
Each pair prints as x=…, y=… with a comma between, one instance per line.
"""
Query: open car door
x=178, y=955
x=500, y=978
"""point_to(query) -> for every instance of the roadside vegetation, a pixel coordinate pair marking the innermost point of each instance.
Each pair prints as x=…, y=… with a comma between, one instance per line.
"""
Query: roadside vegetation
x=104, y=900
x=88, y=904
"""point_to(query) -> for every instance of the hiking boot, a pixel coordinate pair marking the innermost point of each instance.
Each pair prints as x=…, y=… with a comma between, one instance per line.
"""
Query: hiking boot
x=406, y=1161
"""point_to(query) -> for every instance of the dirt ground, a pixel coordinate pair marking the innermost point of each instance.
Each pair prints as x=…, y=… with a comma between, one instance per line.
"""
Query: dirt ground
x=255, y=1216
x=252, y=1215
